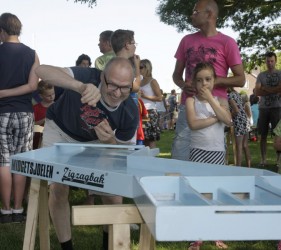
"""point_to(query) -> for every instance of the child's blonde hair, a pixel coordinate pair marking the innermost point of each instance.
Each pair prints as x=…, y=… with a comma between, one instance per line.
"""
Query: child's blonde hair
x=43, y=86
x=245, y=98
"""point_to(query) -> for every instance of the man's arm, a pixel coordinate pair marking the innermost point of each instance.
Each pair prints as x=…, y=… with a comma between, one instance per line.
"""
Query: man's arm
x=265, y=90
x=237, y=80
x=178, y=79
x=29, y=87
x=61, y=77
x=137, y=81
x=58, y=76
x=177, y=74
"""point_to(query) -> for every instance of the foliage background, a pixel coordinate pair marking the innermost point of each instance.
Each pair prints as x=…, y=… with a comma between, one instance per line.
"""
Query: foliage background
x=256, y=21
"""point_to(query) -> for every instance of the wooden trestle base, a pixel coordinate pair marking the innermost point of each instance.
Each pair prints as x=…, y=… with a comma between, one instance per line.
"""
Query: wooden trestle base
x=117, y=217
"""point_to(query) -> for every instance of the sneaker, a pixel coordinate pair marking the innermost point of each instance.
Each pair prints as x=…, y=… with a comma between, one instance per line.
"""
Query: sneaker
x=18, y=217
x=6, y=218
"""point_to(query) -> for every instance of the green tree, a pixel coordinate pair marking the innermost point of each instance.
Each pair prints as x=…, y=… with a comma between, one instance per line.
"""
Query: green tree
x=90, y=2
x=256, y=21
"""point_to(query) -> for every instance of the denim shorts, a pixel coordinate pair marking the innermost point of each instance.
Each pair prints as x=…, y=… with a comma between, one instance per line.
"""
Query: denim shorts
x=181, y=142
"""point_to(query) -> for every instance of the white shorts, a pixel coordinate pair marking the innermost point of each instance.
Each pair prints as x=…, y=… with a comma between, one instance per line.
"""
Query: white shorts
x=53, y=134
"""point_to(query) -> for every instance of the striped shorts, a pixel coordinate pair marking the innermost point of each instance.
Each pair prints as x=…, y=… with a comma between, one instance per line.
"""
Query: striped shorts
x=213, y=157
x=16, y=135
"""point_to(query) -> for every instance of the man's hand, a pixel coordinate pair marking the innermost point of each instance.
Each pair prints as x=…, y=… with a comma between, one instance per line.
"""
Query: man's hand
x=137, y=61
x=189, y=90
x=105, y=133
x=90, y=94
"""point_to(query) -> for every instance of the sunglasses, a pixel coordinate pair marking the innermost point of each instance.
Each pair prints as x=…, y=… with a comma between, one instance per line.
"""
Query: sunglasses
x=142, y=67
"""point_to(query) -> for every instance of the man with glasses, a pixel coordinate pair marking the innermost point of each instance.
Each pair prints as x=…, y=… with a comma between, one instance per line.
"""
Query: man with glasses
x=124, y=45
x=205, y=45
x=104, y=114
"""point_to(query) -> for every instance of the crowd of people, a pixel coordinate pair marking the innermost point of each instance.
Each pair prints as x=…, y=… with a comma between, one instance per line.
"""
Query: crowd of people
x=131, y=106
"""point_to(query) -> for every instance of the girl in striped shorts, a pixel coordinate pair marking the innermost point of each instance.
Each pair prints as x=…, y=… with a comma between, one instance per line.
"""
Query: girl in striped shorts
x=207, y=116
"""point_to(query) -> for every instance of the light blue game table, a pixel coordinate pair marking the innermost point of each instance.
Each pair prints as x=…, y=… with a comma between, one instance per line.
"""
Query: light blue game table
x=178, y=200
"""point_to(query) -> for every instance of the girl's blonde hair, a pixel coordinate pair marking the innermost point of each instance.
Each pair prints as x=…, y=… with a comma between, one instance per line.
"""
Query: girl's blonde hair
x=148, y=66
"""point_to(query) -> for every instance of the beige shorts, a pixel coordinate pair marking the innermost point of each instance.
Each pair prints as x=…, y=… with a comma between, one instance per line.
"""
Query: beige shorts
x=53, y=134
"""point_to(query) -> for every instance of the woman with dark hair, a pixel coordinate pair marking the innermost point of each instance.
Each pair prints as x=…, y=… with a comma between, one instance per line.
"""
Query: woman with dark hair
x=83, y=61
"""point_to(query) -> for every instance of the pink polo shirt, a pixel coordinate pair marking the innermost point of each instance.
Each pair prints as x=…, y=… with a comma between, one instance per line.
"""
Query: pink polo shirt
x=220, y=50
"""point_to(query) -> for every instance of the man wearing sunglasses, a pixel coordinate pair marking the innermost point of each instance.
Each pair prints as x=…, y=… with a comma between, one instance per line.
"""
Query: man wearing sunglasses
x=205, y=45
x=95, y=108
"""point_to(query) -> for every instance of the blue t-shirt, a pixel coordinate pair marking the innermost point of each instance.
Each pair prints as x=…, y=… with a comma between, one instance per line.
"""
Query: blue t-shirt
x=255, y=113
x=172, y=100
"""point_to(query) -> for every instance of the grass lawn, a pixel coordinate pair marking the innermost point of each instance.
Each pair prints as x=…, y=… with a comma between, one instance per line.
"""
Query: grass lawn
x=90, y=237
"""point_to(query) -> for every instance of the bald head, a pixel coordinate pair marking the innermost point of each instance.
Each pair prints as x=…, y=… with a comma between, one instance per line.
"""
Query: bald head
x=117, y=79
x=211, y=5
x=120, y=65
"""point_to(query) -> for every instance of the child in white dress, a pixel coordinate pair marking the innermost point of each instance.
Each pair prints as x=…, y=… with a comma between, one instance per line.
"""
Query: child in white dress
x=206, y=116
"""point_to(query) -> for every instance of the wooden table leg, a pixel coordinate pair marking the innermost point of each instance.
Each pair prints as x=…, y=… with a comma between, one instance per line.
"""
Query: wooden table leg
x=118, y=218
x=32, y=215
x=119, y=237
x=44, y=219
x=146, y=241
x=37, y=201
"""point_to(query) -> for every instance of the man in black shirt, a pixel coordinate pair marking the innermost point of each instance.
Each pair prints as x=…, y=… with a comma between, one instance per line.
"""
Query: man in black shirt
x=105, y=114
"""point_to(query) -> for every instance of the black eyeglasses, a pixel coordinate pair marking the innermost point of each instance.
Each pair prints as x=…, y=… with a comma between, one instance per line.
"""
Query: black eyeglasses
x=113, y=87
x=142, y=67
